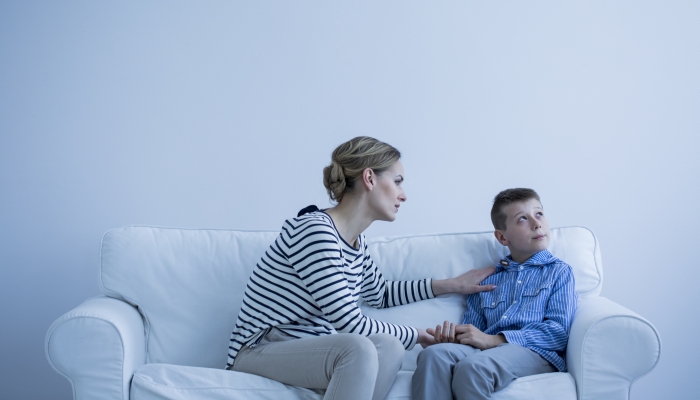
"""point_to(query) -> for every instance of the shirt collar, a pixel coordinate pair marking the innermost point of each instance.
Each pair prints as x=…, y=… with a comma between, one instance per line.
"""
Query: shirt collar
x=537, y=260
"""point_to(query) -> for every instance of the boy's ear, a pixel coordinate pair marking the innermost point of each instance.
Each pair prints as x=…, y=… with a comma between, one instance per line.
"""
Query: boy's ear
x=500, y=237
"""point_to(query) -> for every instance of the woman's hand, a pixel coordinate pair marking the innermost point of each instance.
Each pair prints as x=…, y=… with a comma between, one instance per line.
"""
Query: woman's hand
x=467, y=283
x=424, y=338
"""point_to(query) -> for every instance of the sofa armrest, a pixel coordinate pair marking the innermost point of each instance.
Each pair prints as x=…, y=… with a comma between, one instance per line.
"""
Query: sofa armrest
x=609, y=348
x=97, y=346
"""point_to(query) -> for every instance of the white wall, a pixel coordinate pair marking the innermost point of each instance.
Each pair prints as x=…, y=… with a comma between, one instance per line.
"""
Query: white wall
x=222, y=115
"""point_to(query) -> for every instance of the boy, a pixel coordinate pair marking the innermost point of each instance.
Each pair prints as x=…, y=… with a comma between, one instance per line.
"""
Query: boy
x=519, y=329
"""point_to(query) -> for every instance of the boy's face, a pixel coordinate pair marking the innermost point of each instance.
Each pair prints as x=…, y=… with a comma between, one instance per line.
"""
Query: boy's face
x=527, y=229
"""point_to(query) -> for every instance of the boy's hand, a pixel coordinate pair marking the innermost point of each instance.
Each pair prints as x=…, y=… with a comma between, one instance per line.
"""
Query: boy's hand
x=467, y=283
x=471, y=335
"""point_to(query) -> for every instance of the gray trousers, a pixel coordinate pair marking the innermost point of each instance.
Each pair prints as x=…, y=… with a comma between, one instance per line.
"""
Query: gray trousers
x=347, y=365
x=462, y=372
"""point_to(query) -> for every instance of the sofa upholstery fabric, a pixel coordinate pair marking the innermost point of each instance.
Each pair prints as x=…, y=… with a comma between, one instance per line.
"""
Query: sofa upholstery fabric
x=171, y=298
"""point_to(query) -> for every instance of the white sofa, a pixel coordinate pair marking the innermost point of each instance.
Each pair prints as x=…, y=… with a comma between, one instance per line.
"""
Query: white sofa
x=171, y=297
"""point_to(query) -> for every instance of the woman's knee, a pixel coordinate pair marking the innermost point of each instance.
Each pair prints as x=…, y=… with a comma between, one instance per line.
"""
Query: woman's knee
x=356, y=348
x=388, y=346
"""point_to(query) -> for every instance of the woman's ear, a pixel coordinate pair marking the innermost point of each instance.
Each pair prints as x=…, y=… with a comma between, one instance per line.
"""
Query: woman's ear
x=500, y=237
x=369, y=178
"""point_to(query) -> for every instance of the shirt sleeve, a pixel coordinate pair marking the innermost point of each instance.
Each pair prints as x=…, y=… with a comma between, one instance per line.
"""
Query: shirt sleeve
x=553, y=332
x=474, y=314
x=315, y=255
x=380, y=293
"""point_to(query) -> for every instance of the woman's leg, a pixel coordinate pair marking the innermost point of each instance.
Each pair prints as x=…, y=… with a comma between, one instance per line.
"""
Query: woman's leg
x=344, y=364
x=390, y=353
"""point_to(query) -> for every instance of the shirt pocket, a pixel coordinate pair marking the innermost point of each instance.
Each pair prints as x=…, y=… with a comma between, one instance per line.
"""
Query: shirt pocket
x=535, y=298
x=493, y=305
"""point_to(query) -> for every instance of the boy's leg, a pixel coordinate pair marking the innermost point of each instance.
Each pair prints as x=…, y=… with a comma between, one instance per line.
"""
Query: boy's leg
x=478, y=376
x=433, y=376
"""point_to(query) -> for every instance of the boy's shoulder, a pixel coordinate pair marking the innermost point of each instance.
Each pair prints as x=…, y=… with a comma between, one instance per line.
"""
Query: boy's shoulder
x=555, y=268
x=558, y=265
x=560, y=270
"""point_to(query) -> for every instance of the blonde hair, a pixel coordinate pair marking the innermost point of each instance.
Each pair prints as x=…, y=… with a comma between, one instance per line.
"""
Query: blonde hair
x=351, y=158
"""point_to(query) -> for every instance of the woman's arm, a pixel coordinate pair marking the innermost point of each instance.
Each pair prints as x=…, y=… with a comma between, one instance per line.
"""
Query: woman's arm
x=312, y=249
x=380, y=293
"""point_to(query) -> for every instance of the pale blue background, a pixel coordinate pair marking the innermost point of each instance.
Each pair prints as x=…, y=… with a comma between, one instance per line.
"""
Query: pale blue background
x=222, y=115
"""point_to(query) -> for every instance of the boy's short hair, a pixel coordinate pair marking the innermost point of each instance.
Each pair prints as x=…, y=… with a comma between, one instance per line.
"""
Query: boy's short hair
x=505, y=197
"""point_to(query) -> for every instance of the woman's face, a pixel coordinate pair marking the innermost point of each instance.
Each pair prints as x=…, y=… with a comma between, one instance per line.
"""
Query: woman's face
x=388, y=194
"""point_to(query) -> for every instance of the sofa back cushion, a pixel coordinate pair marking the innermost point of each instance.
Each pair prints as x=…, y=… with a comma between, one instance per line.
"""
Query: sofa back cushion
x=188, y=283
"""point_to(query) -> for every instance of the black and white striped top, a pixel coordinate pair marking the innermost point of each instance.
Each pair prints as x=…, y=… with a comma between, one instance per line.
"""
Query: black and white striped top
x=308, y=283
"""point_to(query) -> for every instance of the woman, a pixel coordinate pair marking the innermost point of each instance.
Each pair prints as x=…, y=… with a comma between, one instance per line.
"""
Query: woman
x=299, y=323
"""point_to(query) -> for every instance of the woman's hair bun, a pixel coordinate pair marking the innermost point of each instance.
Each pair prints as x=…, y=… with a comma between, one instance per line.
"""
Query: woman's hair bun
x=334, y=181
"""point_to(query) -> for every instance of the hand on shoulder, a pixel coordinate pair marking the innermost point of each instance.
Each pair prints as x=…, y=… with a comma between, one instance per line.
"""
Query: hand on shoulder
x=467, y=283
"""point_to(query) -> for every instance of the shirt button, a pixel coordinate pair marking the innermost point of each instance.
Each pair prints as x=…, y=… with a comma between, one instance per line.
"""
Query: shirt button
x=515, y=301
x=519, y=282
x=493, y=304
x=505, y=316
x=521, y=267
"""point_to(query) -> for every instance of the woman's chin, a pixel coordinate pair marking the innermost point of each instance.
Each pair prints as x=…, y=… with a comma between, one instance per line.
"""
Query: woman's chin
x=389, y=218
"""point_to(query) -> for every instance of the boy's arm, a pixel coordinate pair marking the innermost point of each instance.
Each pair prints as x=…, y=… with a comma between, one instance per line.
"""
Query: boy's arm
x=553, y=332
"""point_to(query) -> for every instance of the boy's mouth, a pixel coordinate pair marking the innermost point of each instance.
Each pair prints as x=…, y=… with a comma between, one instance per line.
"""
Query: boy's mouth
x=539, y=237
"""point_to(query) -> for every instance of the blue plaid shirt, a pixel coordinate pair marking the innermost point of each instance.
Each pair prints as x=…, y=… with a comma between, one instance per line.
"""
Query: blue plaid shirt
x=533, y=305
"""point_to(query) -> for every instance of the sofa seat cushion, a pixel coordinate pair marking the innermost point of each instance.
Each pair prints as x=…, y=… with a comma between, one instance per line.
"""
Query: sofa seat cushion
x=558, y=385
x=176, y=382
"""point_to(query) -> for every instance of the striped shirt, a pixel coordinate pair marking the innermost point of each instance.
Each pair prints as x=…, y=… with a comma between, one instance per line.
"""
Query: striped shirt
x=532, y=306
x=308, y=283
